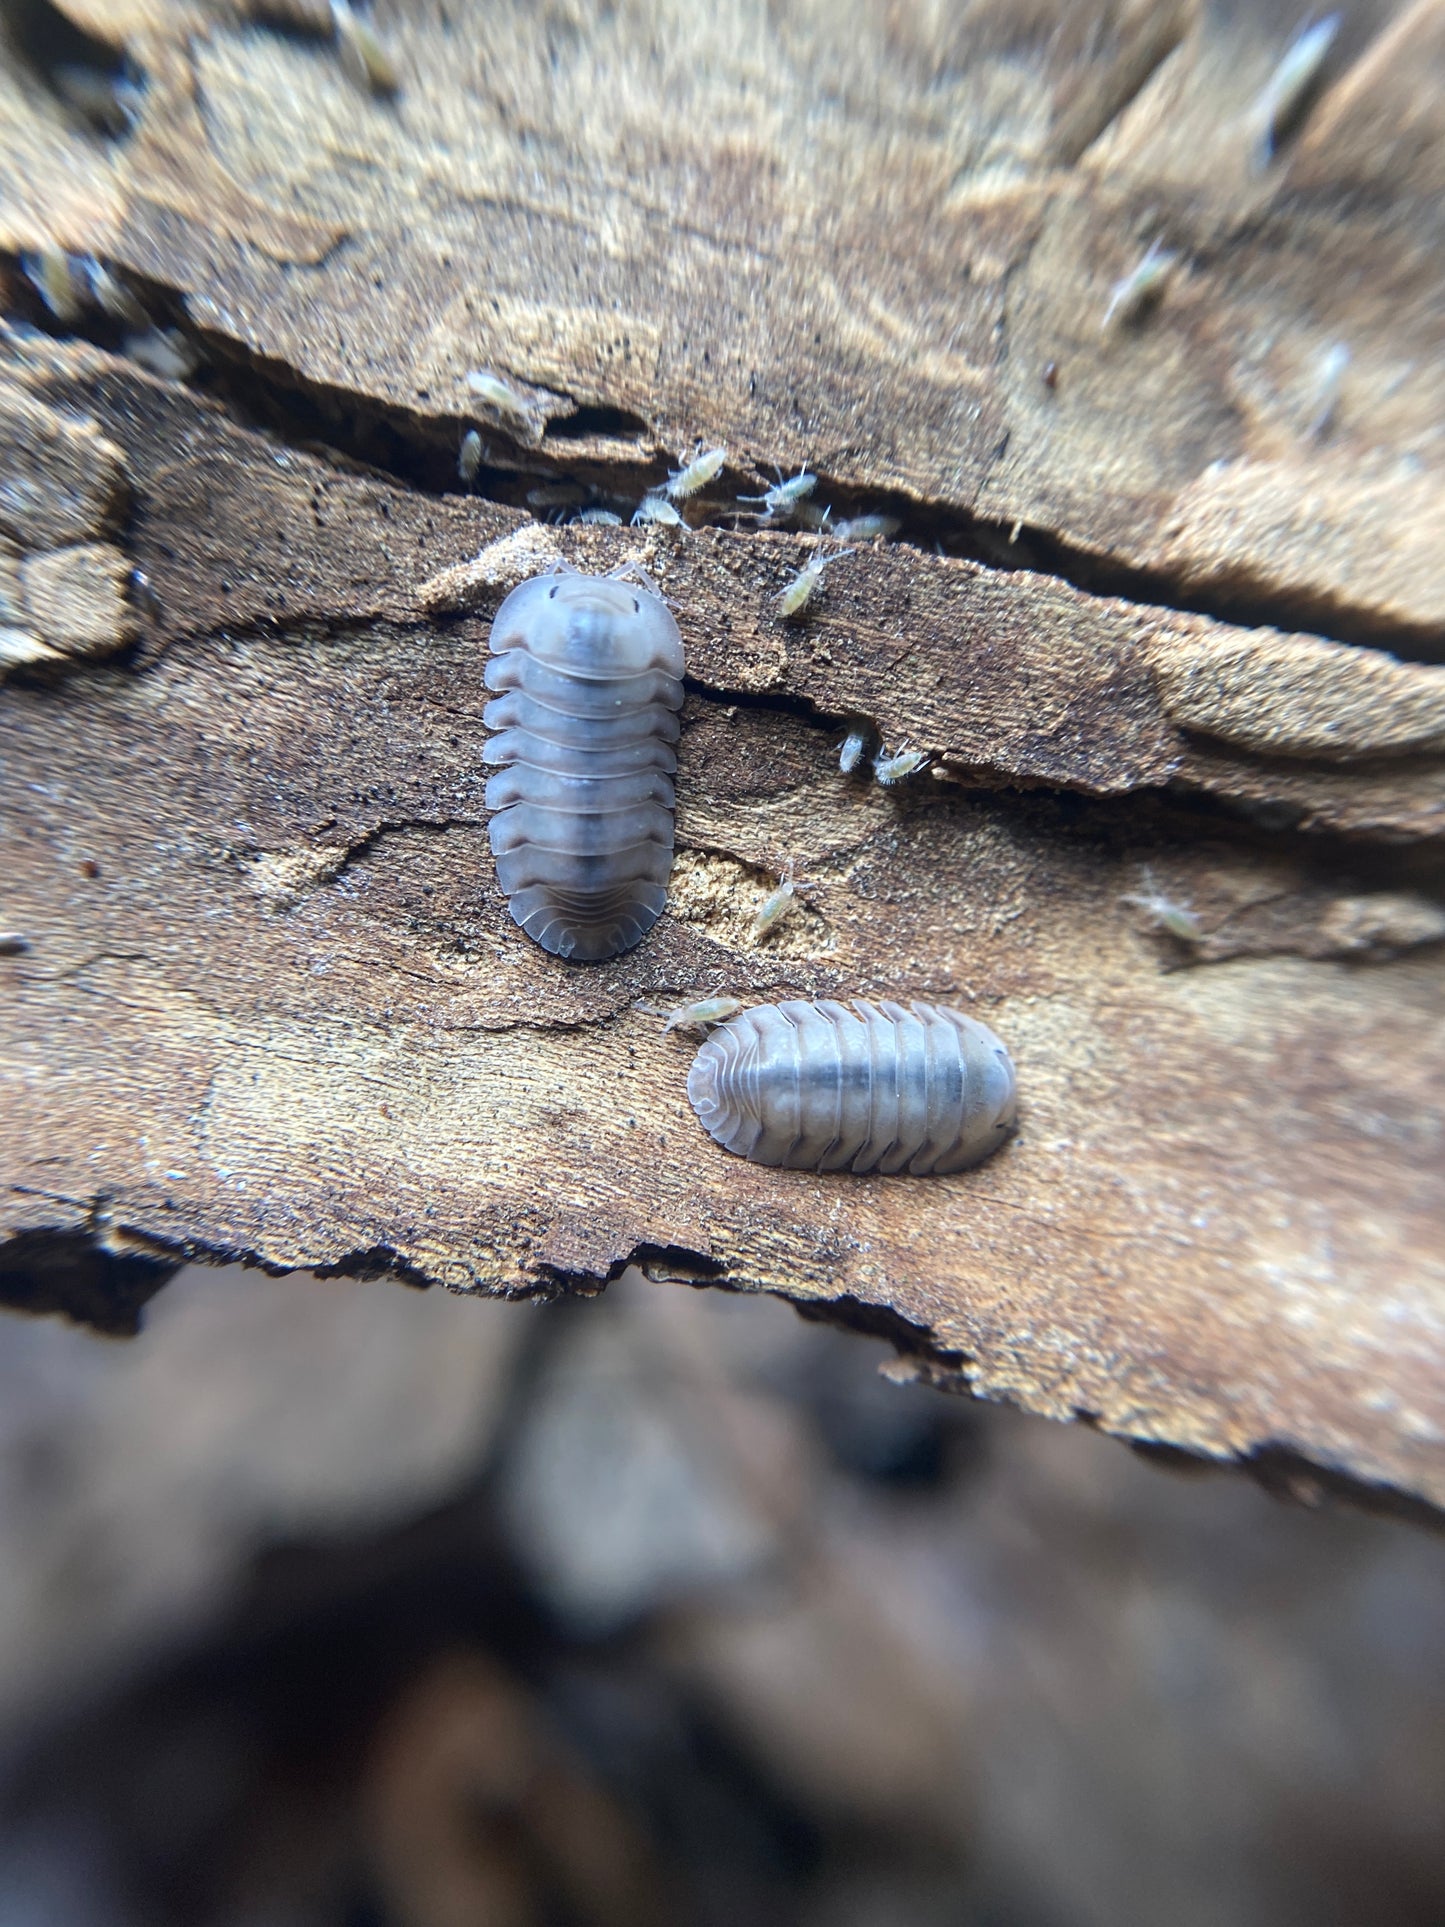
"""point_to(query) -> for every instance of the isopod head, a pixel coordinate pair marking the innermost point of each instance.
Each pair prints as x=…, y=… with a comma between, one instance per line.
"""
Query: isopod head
x=592, y=626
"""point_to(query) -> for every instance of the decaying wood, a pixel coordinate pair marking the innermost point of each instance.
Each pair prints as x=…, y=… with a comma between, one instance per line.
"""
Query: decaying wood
x=268, y=1000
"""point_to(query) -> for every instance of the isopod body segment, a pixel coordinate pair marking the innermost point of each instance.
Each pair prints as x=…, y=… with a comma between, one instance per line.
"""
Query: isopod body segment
x=588, y=675
x=872, y=1087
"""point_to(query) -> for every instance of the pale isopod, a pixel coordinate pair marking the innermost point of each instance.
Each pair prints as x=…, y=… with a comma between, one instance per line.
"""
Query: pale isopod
x=56, y=278
x=776, y=906
x=780, y=500
x=500, y=396
x=110, y=294
x=794, y=600
x=853, y=748
x=589, y=672
x=1287, y=93
x=825, y=1087
x=866, y=528
x=897, y=765
x=1176, y=920
x=1141, y=287
x=657, y=508
x=470, y=458
x=696, y=474
x=701, y=1015
x=165, y=351
x=364, y=60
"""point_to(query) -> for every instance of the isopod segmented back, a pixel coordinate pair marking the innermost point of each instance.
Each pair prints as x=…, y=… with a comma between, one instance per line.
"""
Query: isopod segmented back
x=589, y=675
x=825, y=1087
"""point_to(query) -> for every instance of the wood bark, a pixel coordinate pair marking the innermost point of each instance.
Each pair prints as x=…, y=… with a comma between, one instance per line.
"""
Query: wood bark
x=1166, y=609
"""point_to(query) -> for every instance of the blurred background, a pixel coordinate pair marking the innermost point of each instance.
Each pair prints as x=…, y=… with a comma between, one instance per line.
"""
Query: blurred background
x=336, y=1604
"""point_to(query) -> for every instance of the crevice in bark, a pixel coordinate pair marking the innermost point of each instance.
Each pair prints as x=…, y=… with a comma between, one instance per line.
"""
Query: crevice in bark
x=419, y=450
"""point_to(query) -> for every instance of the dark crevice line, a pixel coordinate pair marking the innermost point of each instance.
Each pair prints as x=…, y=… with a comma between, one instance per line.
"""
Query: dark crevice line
x=419, y=451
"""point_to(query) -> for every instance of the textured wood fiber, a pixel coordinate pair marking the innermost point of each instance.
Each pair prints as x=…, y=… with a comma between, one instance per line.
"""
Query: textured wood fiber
x=840, y=231
x=271, y=1002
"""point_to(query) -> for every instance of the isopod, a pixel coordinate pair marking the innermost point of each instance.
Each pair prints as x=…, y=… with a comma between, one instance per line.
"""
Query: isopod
x=165, y=352
x=794, y=600
x=822, y=1087
x=599, y=517
x=703, y=1014
x=1176, y=920
x=776, y=906
x=111, y=295
x=1141, y=287
x=866, y=528
x=853, y=748
x=657, y=508
x=364, y=60
x=1329, y=379
x=897, y=765
x=780, y=500
x=1282, y=100
x=57, y=278
x=500, y=396
x=470, y=458
x=589, y=672
x=696, y=474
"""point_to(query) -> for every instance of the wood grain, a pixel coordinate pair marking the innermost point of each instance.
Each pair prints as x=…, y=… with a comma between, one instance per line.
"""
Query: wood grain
x=269, y=1002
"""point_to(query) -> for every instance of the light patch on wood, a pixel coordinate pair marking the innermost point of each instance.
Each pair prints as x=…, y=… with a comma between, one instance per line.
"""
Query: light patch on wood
x=721, y=897
x=77, y=599
x=501, y=565
x=282, y=877
x=1291, y=695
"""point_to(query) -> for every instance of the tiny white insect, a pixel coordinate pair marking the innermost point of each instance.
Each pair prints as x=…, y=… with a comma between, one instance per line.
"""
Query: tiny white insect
x=1174, y=919
x=782, y=498
x=470, y=458
x=853, y=747
x=56, y=278
x=364, y=60
x=866, y=528
x=776, y=906
x=165, y=351
x=812, y=515
x=696, y=474
x=111, y=295
x=794, y=600
x=111, y=103
x=701, y=1015
x=896, y=766
x=1282, y=100
x=657, y=508
x=1141, y=287
x=603, y=518
x=500, y=396
x=1325, y=396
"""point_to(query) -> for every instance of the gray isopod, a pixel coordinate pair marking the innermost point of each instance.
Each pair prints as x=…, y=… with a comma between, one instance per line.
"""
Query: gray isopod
x=822, y=1087
x=590, y=674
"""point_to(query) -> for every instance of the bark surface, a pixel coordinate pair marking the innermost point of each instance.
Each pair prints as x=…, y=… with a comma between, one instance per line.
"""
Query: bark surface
x=1166, y=609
